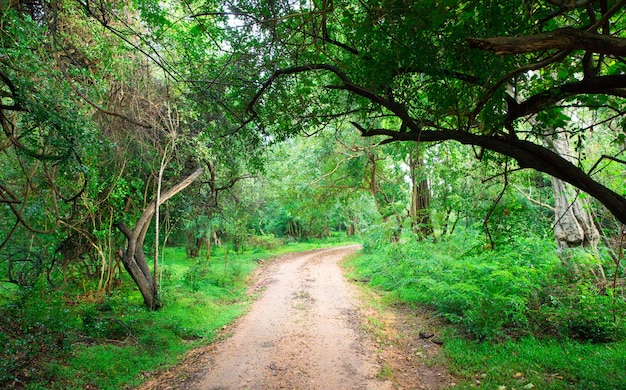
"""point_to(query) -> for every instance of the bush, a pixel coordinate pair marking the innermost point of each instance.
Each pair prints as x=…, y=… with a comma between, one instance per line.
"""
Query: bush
x=267, y=242
x=580, y=311
x=32, y=329
x=516, y=289
x=202, y=275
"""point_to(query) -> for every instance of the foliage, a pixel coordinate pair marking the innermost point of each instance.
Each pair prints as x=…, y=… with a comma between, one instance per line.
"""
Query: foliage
x=517, y=289
x=34, y=327
x=314, y=186
x=64, y=340
x=100, y=106
x=265, y=242
x=574, y=305
x=425, y=72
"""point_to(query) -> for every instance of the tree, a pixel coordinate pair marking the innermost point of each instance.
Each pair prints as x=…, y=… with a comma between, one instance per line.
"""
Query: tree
x=88, y=139
x=46, y=134
x=429, y=65
x=573, y=223
x=419, y=211
x=133, y=256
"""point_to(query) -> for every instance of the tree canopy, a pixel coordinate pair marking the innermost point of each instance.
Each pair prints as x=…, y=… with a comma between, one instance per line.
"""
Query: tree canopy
x=109, y=109
x=501, y=77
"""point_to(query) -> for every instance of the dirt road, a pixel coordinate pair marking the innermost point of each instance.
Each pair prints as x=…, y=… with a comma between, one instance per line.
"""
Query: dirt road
x=302, y=332
x=305, y=331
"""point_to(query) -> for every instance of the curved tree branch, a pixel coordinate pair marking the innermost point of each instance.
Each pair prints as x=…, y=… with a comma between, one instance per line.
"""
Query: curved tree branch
x=133, y=257
x=347, y=85
x=527, y=155
x=561, y=39
x=538, y=65
x=608, y=85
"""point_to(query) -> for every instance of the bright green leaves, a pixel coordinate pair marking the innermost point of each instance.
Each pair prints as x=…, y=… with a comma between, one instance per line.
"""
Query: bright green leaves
x=198, y=29
x=50, y=121
x=154, y=13
x=552, y=120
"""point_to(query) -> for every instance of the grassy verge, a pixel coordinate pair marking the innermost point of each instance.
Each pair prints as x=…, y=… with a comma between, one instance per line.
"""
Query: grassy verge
x=516, y=318
x=57, y=339
x=533, y=363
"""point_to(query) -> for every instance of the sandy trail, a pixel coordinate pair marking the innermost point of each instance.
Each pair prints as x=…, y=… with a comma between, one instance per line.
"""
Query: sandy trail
x=306, y=331
x=302, y=332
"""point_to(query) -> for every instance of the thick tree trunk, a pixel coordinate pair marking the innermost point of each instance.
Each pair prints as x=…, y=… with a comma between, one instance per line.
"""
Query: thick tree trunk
x=350, y=229
x=573, y=224
x=134, y=258
x=419, y=212
x=137, y=267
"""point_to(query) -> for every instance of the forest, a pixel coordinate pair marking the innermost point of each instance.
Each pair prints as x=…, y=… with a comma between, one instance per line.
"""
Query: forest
x=153, y=152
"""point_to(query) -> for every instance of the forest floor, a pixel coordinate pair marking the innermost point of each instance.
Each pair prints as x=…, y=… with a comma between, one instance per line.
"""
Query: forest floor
x=311, y=328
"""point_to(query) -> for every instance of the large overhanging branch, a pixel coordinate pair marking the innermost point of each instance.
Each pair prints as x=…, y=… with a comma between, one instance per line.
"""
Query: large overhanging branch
x=346, y=85
x=614, y=85
x=527, y=155
x=289, y=71
x=561, y=39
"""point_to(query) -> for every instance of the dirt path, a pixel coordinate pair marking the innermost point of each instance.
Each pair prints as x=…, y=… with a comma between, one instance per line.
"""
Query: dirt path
x=305, y=331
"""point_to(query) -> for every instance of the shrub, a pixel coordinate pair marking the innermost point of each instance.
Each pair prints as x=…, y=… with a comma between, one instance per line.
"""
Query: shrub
x=516, y=289
x=580, y=311
x=32, y=329
x=267, y=242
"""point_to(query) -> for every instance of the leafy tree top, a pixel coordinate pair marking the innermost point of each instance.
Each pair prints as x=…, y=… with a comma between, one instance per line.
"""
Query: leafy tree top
x=501, y=76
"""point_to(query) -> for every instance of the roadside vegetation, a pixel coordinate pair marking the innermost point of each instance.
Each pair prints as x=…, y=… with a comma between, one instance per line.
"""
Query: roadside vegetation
x=70, y=339
x=516, y=316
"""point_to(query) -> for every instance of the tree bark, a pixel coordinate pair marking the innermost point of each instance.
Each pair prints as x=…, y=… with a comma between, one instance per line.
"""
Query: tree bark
x=419, y=212
x=559, y=39
x=134, y=258
x=573, y=224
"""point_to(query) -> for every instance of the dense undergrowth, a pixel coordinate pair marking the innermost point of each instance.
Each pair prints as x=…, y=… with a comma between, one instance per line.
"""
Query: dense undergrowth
x=68, y=338
x=520, y=314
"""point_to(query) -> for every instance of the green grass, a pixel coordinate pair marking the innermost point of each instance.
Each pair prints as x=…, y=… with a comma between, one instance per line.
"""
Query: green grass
x=67, y=340
x=158, y=340
x=546, y=364
x=111, y=366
